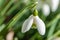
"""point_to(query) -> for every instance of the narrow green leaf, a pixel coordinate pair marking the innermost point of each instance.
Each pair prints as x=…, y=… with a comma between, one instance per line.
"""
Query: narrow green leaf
x=6, y=8
x=13, y=8
x=54, y=35
x=52, y=28
x=52, y=21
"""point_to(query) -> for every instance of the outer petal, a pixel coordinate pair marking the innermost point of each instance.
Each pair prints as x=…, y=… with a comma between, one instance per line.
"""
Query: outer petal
x=54, y=4
x=40, y=25
x=46, y=9
x=27, y=24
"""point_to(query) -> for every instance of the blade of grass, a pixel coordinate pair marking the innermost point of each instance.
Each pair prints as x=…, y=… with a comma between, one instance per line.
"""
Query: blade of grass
x=53, y=26
x=55, y=35
x=2, y=20
x=2, y=17
x=1, y=4
x=52, y=21
x=6, y=8
x=9, y=12
x=13, y=8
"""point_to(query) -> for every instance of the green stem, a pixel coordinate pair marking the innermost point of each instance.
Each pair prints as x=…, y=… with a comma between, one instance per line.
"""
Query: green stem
x=35, y=13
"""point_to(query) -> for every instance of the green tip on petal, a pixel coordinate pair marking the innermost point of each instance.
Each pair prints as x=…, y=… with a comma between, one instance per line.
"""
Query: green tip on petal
x=35, y=13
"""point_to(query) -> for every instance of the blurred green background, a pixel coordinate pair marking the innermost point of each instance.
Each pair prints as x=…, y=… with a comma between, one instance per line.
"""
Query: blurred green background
x=14, y=12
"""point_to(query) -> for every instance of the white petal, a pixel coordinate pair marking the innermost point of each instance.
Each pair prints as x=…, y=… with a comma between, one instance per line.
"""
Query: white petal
x=54, y=5
x=40, y=25
x=46, y=9
x=27, y=24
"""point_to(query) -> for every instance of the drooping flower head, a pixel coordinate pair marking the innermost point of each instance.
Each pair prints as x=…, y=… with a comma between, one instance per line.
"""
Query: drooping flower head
x=45, y=5
x=36, y=20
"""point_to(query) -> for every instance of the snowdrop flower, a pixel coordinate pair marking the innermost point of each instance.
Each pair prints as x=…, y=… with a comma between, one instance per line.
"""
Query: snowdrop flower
x=45, y=5
x=54, y=5
x=37, y=21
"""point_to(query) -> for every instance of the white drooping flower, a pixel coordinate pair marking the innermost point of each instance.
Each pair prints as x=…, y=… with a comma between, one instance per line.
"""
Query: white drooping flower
x=54, y=4
x=37, y=21
x=45, y=5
